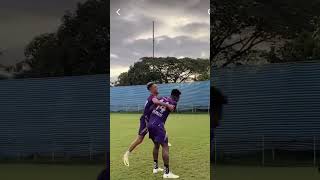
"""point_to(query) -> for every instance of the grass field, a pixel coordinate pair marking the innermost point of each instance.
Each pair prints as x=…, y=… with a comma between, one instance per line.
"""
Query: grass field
x=189, y=135
x=49, y=172
x=265, y=173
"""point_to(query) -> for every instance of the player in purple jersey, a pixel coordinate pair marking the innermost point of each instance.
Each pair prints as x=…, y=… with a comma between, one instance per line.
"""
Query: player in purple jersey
x=158, y=134
x=143, y=130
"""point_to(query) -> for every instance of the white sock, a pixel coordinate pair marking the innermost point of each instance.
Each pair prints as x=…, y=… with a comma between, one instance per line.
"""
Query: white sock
x=127, y=153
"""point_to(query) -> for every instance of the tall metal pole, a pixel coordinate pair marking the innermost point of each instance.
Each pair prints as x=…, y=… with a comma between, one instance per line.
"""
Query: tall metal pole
x=153, y=40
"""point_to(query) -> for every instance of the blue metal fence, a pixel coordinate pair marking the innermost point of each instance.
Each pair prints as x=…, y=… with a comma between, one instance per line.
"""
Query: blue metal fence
x=195, y=96
x=53, y=116
x=271, y=107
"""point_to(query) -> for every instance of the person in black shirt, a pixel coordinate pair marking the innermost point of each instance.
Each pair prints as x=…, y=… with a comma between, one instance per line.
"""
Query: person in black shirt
x=217, y=101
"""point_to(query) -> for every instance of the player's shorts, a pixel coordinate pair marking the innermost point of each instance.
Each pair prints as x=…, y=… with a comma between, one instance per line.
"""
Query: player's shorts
x=143, y=129
x=157, y=133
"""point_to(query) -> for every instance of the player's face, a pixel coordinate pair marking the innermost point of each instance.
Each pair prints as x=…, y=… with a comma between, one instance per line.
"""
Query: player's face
x=154, y=89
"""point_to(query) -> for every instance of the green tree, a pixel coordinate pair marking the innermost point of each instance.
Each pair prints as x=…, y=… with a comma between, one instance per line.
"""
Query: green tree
x=43, y=55
x=84, y=37
x=79, y=47
x=239, y=26
x=165, y=70
x=138, y=74
x=304, y=47
x=123, y=79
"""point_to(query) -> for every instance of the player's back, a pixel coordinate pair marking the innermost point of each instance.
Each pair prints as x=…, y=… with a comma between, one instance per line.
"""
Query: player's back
x=160, y=113
x=148, y=107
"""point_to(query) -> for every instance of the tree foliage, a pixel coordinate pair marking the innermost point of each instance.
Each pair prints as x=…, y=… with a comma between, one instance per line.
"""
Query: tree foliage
x=303, y=48
x=79, y=47
x=239, y=26
x=165, y=70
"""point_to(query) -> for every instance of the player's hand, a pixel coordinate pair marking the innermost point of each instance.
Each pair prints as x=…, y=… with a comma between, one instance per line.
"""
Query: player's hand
x=171, y=107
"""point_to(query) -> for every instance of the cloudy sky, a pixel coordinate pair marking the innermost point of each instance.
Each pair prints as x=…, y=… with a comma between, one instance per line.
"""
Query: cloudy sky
x=181, y=30
x=21, y=20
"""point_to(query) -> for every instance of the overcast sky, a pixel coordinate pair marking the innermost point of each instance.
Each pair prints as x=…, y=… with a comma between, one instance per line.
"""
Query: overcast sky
x=21, y=20
x=181, y=30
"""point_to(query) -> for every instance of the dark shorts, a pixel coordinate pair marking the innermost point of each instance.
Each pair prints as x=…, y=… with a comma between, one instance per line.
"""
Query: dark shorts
x=158, y=133
x=143, y=129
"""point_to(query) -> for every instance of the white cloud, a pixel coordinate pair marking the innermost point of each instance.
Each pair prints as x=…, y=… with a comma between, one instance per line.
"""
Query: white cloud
x=115, y=71
x=182, y=29
x=114, y=56
x=204, y=54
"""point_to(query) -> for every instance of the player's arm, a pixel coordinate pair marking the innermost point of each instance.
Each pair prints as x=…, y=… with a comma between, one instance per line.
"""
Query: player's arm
x=158, y=102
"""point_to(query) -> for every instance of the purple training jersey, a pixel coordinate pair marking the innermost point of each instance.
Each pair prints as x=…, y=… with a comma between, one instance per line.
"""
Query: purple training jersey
x=161, y=113
x=148, y=107
x=158, y=117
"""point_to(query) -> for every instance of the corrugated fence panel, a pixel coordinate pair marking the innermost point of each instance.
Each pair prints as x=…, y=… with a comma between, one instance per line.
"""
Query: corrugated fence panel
x=275, y=106
x=67, y=115
x=195, y=95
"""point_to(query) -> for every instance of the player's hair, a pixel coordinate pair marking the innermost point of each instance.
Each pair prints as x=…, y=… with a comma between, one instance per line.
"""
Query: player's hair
x=175, y=92
x=149, y=85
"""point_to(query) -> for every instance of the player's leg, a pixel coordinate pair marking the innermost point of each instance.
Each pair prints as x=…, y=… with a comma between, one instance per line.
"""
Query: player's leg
x=159, y=135
x=136, y=142
x=165, y=156
x=155, y=153
x=133, y=145
x=143, y=130
x=168, y=141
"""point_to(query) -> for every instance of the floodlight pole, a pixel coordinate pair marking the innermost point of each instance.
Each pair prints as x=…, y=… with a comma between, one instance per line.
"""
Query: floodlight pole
x=153, y=40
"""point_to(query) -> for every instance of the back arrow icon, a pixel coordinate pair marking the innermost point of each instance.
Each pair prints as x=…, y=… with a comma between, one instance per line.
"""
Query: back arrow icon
x=118, y=12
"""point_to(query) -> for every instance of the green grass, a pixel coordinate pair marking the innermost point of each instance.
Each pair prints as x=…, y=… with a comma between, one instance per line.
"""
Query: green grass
x=49, y=172
x=265, y=173
x=189, y=135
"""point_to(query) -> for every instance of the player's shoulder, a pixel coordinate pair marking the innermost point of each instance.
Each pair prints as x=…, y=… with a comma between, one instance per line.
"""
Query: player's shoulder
x=173, y=102
x=170, y=100
x=162, y=97
x=150, y=97
x=165, y=98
